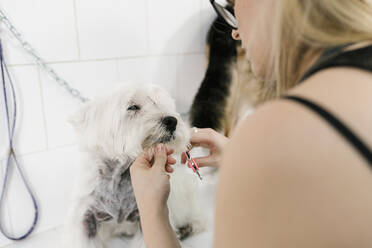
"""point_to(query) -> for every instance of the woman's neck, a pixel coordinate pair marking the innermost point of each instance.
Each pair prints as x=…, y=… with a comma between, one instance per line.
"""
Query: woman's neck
x=309, y=59
x=311, y=56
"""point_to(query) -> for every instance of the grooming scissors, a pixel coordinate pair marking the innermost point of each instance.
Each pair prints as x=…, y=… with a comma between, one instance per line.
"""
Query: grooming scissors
x=192, y=164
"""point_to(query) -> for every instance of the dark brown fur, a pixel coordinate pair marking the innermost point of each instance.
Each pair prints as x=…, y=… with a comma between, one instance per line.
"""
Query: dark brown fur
x=229, y=87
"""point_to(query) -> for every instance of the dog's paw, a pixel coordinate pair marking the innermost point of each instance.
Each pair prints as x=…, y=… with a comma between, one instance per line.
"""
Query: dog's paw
x=184, y=231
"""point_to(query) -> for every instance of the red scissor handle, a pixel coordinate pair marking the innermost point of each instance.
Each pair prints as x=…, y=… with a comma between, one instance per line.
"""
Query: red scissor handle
x=196, y=165
x=190, y=165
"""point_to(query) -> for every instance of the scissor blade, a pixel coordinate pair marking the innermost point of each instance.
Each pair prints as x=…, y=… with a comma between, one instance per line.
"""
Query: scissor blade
x=197, y=172
x=188, y=156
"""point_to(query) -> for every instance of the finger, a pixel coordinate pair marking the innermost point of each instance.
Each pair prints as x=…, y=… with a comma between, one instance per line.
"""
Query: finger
x=183, y=158
x=160, y=158
x=204, y=137
x=145, y=158
x=205, y=161
x=170, y=151
x=171, y=160
x=169, y=169
x=192, y=145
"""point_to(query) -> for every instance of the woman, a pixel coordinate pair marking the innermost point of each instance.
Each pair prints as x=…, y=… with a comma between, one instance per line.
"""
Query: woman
x=297, y=172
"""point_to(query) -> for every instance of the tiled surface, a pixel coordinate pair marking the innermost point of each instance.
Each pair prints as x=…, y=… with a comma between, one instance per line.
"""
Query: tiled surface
x=51, y=176
x=111, y=28
x=4, y=211
x=30, y=130
x=95, y=45
x=174, y=26
x=181, y=75
x=4, y=129
x=48, y=25
x=91, y=78
x=161, y=70
x=191, y=69
x=46, y=239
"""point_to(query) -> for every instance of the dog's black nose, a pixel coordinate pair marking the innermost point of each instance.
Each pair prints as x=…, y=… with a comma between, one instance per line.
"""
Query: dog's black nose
x=170, y=123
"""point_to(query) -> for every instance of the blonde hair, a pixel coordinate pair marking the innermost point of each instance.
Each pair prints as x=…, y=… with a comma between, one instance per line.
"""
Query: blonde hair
x=310, y=26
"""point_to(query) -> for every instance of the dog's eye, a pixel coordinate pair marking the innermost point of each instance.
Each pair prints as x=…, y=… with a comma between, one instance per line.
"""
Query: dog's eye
x=134, y=108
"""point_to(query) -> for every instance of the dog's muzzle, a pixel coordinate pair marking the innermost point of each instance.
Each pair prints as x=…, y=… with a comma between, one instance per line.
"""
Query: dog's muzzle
x=169, y=123
x=166, y=133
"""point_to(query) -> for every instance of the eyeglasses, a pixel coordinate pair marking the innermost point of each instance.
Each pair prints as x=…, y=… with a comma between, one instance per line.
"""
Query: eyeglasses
x=225, y=14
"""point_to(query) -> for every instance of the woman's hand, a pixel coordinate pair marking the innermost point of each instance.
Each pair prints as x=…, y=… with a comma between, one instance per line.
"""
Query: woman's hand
x=151, y=187
x=150, y=180
x=207, y=138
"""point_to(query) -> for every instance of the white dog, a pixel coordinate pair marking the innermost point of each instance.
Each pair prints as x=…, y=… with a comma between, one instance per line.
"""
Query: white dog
x=113, y=131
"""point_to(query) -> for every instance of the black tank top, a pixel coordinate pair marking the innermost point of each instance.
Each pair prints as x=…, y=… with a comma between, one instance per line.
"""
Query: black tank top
x=360, y=58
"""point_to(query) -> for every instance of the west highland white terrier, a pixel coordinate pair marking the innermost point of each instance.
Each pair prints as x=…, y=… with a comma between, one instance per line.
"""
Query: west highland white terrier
x=113, y=130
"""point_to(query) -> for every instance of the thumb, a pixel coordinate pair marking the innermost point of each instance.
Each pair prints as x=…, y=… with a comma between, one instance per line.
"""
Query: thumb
x=160, y=158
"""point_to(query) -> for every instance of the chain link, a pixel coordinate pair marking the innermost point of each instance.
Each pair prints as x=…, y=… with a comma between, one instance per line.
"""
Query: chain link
x=39, y=61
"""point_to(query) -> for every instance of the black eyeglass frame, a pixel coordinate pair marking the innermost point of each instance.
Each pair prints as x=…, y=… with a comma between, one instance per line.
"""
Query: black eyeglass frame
x=231, y=23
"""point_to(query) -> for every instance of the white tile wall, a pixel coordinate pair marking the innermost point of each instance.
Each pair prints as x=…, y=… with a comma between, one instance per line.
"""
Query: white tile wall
x=48, y=25
x=51, y=176
x=46, y=239
x=161, y=70
x=191, y=70
x=90, y=78
x=111, y=28
x=94, y=45
x=4, y=211
x=174, y=26
x=4, y=128
x=30, y=135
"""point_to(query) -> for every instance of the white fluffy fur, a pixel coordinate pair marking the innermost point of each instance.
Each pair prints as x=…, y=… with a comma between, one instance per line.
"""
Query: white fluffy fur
x=107, y=130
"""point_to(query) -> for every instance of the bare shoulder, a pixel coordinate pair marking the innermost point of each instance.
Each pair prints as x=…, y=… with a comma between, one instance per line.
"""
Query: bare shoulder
x=289, y=179
x=295, y=133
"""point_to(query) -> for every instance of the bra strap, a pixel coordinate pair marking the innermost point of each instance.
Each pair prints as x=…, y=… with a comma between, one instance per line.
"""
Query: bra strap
x=341, y=128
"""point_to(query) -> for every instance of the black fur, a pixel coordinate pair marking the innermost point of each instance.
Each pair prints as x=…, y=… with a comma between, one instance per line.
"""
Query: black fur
x=208, y=107
x=184, y=232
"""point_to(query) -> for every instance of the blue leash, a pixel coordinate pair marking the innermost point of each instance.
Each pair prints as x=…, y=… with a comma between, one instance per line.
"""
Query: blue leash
x=11, y=153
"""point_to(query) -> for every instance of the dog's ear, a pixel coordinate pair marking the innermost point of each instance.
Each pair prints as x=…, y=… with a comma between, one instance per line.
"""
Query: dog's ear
x=80, y=119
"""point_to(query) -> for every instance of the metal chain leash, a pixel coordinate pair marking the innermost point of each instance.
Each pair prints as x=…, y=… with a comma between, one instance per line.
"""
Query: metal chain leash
x=38, y=60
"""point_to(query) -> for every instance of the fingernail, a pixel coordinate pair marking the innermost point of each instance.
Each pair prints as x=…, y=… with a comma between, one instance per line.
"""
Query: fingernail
x=160, y=147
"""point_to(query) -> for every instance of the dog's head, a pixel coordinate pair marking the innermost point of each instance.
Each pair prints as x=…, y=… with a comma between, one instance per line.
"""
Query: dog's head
x=129, y=120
